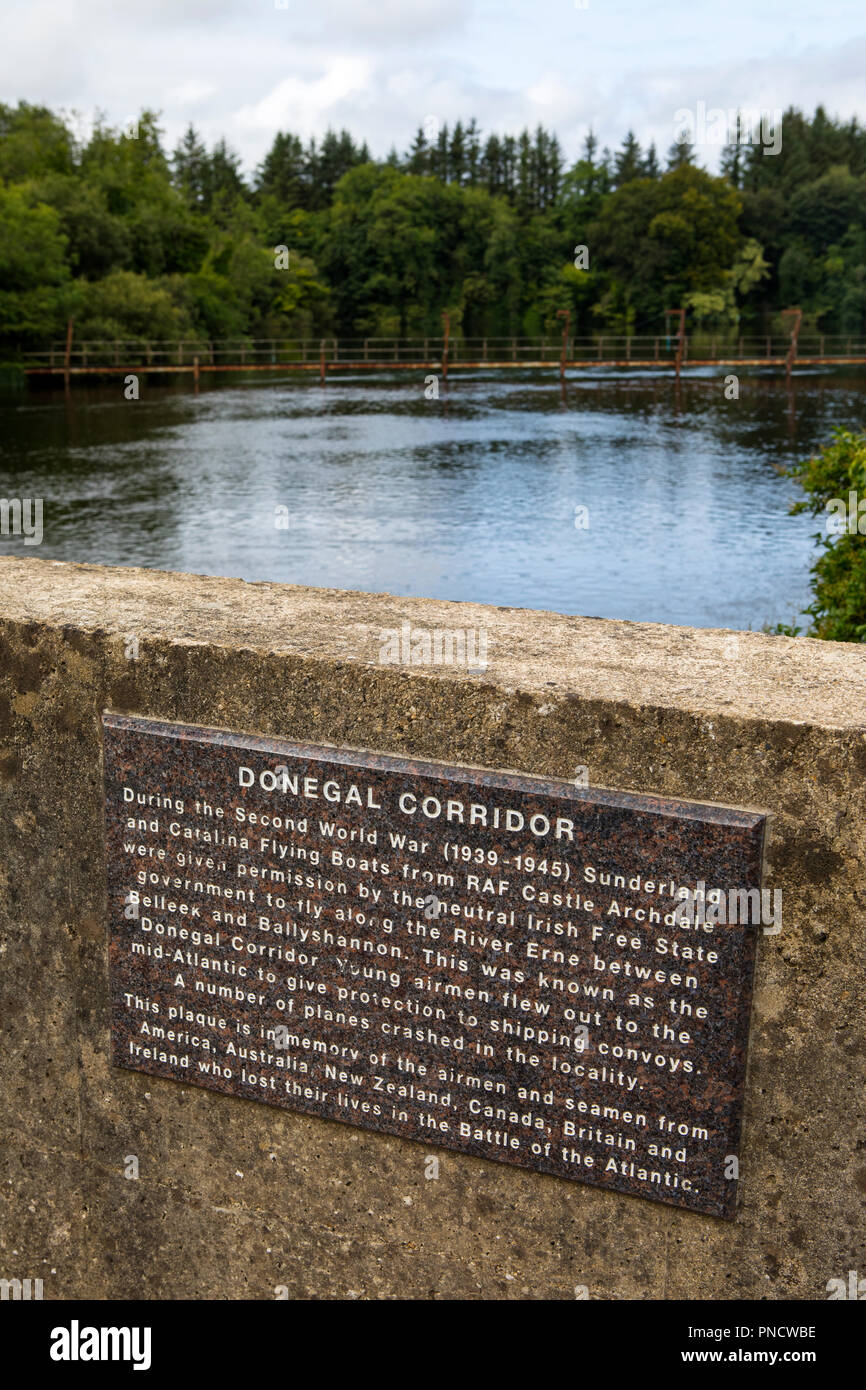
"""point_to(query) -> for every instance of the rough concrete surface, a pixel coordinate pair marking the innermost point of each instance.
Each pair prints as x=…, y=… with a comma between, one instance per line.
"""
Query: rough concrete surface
x=236, y=1198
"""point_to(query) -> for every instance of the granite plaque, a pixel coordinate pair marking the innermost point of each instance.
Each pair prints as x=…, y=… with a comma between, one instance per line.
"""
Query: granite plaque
x=511, y=966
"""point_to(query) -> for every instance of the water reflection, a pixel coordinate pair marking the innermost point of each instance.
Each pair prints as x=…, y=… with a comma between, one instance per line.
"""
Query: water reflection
x=473, y=496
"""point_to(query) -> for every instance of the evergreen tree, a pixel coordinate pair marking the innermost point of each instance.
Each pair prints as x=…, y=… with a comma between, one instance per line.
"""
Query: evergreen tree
x=191, y=169
x=224, y=178
x=650, y=168
x=457, y=155
x=681, y=153
x=418, y=158
x=473, y=152
x=281, y=172
x=628, y=163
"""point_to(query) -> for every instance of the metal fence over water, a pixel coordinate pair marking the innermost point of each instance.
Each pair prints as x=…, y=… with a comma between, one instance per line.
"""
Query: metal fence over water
x=333, y=354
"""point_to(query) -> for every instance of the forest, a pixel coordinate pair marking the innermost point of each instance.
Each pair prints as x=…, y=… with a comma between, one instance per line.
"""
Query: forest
x=134, y=241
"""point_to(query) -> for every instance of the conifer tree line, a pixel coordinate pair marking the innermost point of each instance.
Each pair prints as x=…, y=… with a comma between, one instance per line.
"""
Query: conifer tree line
x=138, y=242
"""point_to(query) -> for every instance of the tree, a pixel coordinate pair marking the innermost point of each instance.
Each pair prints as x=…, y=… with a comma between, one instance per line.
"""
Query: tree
x=191, y=171
x=35, y=282
x=628, y=162
x=473, y=152
x=681, y=153
x=650, y=168
x=457, y=155
x=281, y=172
x=769, y=233
x=418, y=158
x=839, y=574
x=33, y=142
x=225, y=183
x=127, y=305
x=660, y=240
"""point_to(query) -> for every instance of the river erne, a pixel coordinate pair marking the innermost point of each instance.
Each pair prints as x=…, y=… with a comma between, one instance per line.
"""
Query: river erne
x=471, y=496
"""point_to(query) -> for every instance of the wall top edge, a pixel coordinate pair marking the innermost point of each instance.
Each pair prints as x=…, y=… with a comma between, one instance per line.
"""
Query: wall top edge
x=550, y=656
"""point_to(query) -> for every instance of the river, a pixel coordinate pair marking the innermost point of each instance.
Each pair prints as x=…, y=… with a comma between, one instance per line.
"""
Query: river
x=619, y=497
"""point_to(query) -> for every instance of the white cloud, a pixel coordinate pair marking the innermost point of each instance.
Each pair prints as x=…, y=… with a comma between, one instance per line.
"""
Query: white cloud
x=243, y=69
x=395, y=21
x=190, y=93
x=305, y=104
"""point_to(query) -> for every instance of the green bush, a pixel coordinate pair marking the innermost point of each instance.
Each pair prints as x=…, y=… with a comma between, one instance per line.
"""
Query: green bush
x=835, y=484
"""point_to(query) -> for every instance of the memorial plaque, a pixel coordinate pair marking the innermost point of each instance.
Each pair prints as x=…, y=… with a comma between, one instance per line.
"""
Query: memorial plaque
x=496, y=963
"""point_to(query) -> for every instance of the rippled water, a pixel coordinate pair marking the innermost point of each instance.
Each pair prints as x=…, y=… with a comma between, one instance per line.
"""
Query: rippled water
x=471, y=496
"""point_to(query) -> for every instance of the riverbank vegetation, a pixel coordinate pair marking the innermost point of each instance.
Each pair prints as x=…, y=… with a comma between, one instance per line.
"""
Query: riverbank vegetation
x=134, y=241
x=834, y=481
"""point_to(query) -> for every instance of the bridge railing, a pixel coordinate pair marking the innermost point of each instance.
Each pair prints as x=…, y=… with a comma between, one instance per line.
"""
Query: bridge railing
x=519, y=350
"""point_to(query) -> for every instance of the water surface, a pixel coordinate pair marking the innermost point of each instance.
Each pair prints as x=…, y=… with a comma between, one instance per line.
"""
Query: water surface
x=621, y=498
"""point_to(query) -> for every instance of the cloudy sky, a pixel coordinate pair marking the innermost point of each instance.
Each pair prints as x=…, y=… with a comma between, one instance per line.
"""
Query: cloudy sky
x=244, y=69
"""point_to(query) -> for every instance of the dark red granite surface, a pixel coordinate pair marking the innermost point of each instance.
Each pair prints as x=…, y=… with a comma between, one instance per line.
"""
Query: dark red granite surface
x=472, y=1010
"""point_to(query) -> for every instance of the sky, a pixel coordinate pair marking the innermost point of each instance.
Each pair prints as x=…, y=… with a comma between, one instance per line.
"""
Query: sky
x=244, y=69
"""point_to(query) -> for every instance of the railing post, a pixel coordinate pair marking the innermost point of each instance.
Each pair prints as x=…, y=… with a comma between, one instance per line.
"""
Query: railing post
x=565, y=315
x=68, y=354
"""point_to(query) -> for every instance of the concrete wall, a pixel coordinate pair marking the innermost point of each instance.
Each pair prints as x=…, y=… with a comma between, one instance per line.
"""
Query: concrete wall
x=235, y=1198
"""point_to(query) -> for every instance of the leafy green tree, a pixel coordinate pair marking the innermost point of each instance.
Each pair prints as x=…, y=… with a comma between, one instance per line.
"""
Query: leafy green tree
x=33, y=142
x=660, y=240
x=124, y=305
x=487, y=230
x=722, y=307
x=835, y=483
x=35, y=283
x=98, y=241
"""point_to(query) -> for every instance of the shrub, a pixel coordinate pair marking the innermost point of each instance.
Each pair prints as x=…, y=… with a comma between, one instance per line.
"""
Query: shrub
x=835, y=483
